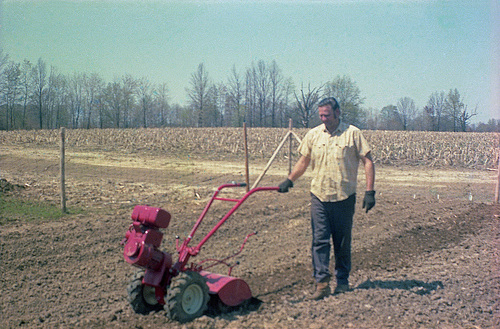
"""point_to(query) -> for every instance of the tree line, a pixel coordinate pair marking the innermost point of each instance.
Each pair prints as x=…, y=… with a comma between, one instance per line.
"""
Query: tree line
x=36, y=96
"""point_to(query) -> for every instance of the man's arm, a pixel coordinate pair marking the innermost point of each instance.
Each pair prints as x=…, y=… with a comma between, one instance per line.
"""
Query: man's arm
x=369, y=199
x=299, y=169
x=369, y=171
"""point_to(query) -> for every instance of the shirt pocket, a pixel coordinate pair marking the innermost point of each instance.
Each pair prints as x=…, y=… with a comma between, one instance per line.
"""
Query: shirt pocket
x=318, y=151
x=339, y=152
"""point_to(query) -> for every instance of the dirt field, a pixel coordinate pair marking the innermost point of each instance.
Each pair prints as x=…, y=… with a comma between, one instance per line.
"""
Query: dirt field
x=427, y=255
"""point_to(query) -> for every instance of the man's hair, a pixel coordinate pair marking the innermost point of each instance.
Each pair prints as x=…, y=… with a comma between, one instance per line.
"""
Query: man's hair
x=329, y=101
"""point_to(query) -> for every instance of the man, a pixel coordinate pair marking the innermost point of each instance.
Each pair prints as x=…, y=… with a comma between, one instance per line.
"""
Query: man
x=333, y=150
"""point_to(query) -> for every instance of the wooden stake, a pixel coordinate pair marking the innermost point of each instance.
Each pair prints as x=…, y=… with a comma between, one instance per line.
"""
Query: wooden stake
x=62, y=169
x=271, y=160
x=290, y=147
x=247, y=176
x=497, y=190
x=296, y=137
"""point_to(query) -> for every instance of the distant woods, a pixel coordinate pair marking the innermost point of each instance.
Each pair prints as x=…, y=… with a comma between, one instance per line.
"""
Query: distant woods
x=38, y=96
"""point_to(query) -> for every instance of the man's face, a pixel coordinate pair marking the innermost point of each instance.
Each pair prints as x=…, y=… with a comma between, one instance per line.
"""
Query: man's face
x=329, y=117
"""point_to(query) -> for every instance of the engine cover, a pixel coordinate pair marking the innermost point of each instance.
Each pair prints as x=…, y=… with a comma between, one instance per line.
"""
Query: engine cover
x=151, y=216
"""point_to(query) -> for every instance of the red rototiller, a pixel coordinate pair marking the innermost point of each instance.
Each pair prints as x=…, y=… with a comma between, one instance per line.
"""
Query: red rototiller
x=182, y=290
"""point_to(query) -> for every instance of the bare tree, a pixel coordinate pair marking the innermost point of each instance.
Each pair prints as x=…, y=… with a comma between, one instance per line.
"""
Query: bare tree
x=39, y=76
x=113, y=96
x=306, y=104
x=4, y=59
x=250, y=96
x=372, y=119
x=262, y=88
x=434, y=110
x=11, y=91
x=221, y=104
x=211, y=111
x=26, y=89
x=198, y=93
x=93, y=91
x=406, y=111
x=454, y=107
x=161, y=103
x=57, y=99
x=144, y=94
x=177, y=115
x=235, y=97
x=389, y=118
x=284, y=108
x=50, y=98
x=465, y=116
x=348, y=94
x=76, y=91
x=129, y=87
x=276, y=79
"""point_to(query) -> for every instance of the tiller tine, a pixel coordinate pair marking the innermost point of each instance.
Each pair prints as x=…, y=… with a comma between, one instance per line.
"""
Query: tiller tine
x=231, y=291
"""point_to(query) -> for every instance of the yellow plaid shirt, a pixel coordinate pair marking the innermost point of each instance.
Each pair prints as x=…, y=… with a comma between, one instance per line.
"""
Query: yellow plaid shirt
x=334, y=160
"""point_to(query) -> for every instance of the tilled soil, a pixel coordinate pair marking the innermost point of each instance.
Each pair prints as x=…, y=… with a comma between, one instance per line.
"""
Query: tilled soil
x=427, y=255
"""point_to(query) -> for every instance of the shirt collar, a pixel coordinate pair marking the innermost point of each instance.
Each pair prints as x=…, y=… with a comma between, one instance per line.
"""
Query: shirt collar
x=340, y=128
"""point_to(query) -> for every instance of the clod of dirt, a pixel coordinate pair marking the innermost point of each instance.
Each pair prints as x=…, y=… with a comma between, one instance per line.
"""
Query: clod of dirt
x=5, y=186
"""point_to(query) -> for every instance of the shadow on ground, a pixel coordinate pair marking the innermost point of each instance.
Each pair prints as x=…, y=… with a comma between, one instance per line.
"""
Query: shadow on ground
x=415, y=286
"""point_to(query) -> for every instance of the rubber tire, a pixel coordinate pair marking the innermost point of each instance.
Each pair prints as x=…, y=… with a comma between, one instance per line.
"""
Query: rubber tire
x=136, y=299
x=187, y=297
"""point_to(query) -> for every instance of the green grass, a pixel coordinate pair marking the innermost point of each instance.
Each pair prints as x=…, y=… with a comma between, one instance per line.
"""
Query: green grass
x=18, y=209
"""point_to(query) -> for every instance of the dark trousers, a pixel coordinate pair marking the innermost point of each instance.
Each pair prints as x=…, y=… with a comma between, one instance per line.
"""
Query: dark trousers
x=332, y=219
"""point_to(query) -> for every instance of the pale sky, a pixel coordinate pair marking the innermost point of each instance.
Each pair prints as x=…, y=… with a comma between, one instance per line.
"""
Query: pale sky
x=391, y=49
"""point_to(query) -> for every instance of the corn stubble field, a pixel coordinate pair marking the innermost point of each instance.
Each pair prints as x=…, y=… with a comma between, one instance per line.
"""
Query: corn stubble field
x=432, y=149
x=427, y=255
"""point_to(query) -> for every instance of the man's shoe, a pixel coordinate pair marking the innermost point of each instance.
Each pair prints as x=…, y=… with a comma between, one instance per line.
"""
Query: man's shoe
x=322, y=290
x=341, y=288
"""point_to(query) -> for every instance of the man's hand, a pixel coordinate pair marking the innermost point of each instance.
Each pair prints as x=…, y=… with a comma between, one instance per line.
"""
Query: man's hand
x=369, y=200
x=283, y=187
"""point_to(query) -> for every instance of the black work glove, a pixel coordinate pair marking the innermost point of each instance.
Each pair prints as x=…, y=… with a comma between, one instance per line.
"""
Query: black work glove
x=283, y=187
x=369, y=200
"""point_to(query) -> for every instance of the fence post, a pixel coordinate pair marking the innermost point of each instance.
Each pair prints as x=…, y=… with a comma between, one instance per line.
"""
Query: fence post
x=247, y=176
x=290, y=147
x=497, y=190
x=62, y=169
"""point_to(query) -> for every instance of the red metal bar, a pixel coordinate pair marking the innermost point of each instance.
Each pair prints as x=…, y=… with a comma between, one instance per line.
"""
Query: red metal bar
x=186, y=252
x=231, y=211
x=223, y=261
x=227, y=199
x=207, y=207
